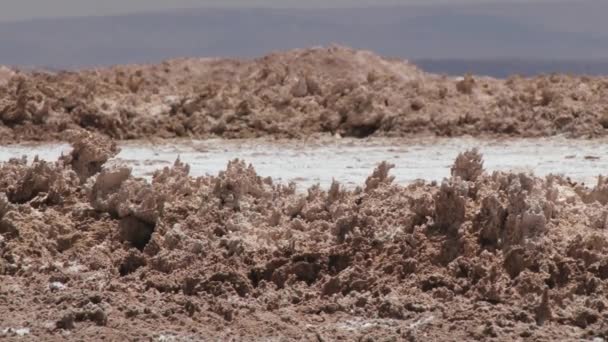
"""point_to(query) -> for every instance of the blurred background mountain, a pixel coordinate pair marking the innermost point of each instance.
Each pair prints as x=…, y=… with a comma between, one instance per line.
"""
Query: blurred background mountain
x=492, y=38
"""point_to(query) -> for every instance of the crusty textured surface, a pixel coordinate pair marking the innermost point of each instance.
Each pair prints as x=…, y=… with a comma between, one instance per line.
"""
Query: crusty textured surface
x=294, y=94
x=503, y=256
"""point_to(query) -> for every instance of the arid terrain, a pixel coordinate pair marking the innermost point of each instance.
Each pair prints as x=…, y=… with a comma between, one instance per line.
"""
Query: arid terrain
x=295, y=94
x=90, y=251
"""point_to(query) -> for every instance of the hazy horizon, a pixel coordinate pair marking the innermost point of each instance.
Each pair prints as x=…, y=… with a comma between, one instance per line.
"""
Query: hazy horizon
x=445, y=35
x=17, y=10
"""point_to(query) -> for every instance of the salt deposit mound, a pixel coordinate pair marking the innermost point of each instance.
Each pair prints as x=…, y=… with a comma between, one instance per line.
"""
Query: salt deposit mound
x=294, y=94
x=88, y=252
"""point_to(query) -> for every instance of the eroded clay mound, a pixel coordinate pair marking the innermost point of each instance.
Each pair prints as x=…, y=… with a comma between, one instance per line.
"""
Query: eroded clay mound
x=295, y=94
x=479, y=256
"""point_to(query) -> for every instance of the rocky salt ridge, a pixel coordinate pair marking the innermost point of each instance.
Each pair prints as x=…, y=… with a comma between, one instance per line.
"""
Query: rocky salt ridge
x=294, y=94
x=89, y=252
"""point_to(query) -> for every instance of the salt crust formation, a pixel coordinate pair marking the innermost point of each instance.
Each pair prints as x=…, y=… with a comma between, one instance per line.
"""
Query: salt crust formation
x=293, y=94
x=88, y=252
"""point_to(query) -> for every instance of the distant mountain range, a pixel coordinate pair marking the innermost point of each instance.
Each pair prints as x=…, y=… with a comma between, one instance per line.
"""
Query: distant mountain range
x=502, y=68
x=486, y=39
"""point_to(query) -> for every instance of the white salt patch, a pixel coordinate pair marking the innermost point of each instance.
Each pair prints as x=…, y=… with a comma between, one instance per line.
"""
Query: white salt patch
x=57, y=286
x=19, y=332
x=350, y=161
x=422, y=322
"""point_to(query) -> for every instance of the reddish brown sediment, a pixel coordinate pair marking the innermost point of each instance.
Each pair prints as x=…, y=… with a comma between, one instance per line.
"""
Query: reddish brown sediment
x=499, y=256
x=295, y=94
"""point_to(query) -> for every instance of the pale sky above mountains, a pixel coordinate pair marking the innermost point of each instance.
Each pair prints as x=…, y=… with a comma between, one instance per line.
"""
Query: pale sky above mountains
x=11, y=10
x=519, y=35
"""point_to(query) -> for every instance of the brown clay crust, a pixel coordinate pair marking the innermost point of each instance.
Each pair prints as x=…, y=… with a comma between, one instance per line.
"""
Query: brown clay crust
x=89, y=252
x=294, y=94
